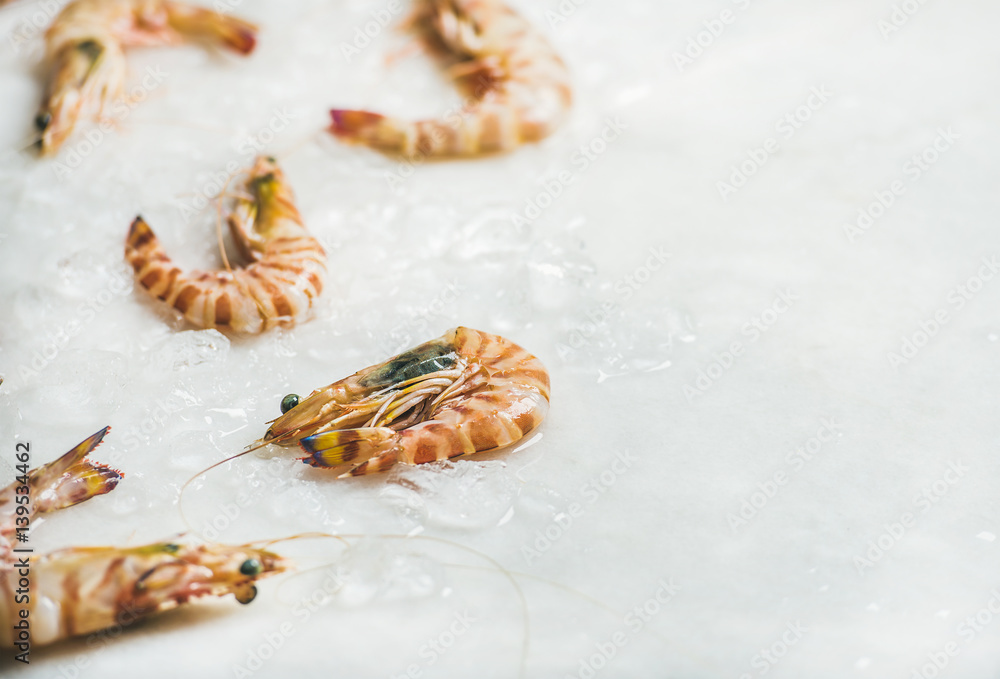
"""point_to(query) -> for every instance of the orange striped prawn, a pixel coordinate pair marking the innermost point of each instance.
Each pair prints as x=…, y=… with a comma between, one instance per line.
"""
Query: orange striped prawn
x=276, y=289
x=85, y=47
x=465, y=392
x=519, y=85
x=85, y=589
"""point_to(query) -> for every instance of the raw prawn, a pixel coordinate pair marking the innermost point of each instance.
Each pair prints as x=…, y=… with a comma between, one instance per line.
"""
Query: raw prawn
x=277, y=288
x=519, y=87
x=465, y=392
x=86, y=589
x=85, y=47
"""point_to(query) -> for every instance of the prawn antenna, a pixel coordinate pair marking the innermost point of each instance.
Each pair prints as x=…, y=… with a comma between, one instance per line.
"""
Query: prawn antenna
x=180, y=498
x=218, y=222
x=495, y=566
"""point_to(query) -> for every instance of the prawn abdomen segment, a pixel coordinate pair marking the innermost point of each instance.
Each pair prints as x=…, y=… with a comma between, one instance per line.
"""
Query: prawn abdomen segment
x=484, y=422
x=493, y=419
x=479, y=129
x=206, y=300
x=376, y=449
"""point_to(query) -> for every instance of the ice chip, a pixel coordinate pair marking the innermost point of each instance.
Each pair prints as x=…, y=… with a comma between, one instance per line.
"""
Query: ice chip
x=92, y=274
x=189, y=349
x=379, y=571
x=461, y=494
x=40, y=308
x=560, y=276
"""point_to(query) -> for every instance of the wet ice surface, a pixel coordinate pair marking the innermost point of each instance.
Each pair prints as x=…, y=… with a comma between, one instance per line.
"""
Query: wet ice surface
x=696, y=342
x=460, y=494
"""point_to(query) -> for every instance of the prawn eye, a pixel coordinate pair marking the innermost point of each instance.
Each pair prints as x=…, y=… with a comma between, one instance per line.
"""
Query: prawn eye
x=289, y=402
x=42, y=121
x=251, y=567
x=245, y=594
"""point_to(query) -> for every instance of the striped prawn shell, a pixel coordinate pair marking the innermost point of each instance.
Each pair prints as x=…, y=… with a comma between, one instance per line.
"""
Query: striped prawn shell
x=507, y=398
x=513, y=403
x=520, y=88
x=277, y=289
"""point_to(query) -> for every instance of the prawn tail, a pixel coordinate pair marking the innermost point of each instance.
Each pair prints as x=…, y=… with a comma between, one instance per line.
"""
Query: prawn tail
x=236, y=34
x=153, y=268
x=369, y=449
x=365, y=127
x=73, y=478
